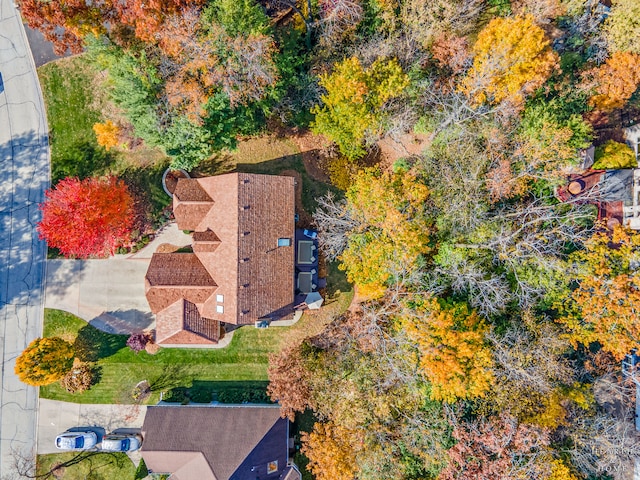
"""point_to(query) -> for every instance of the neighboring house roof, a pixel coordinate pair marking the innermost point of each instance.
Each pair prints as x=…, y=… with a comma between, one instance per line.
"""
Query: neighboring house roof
x=237, y=273
x=230, y=442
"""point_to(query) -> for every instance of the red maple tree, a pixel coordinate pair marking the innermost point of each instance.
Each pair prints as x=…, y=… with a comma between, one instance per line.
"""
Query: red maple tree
x=67, y=22
x=90, y=217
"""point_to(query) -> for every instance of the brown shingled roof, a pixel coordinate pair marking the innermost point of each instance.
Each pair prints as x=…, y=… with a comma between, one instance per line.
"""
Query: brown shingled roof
x=237, y=441
x=190, y=190
x=237, y=220
x=174, y=269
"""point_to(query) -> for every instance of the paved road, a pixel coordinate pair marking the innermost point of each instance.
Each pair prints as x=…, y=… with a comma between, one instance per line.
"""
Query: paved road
x=41, y=49
x=24, y=175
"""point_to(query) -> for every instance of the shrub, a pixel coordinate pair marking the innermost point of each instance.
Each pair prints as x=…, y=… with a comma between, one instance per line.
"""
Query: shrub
x=200, y=395
x=241, y=395
x=107, y=134
x=613, y=155
x=176, y=395
x=81, y=377
x=142, y=471
x=138, y=341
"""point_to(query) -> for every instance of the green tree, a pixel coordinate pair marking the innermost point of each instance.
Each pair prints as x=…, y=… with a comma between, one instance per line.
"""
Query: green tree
x=238, y=17
x=44, y=361
x=351, y=108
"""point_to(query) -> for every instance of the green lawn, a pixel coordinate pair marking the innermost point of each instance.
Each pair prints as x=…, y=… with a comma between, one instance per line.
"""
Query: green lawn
x=76, y=99
x=240, y=367
x=68, y=87
x=86, y=465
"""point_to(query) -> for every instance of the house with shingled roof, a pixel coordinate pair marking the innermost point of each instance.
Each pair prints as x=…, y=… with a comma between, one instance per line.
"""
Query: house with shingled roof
x=240, y=269
x=218, y=442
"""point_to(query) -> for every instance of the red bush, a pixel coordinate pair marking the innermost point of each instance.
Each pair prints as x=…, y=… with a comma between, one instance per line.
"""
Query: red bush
x=90, y=217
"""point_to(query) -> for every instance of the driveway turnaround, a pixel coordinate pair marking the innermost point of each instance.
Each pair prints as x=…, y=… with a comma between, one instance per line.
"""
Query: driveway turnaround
x=24, y=175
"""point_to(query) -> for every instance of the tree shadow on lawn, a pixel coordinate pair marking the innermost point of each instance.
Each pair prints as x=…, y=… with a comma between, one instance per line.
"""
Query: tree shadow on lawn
x=82, y=160
x=92, y=344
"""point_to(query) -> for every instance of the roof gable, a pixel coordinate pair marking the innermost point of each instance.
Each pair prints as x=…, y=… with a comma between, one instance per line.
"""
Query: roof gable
x=178, y=269
x=181, y=324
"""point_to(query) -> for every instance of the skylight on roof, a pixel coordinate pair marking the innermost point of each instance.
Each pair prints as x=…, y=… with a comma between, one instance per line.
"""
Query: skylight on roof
x=284, y=242
x=219, y=309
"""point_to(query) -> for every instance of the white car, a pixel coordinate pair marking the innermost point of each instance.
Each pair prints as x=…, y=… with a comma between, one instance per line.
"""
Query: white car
x=120, y=443
x=76, y=440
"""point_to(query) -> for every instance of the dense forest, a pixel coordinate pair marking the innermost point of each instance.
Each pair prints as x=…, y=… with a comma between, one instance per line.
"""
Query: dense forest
x=492, y=316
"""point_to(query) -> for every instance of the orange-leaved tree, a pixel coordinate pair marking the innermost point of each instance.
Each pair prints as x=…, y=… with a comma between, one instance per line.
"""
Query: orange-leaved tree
x=615, y=80
x=513, y=57
x=605, y=306
x=107, y=134
x=289, y=381
x=44, y=361
x=331, y=450
x=67, y=22
x=393, y=230
x=90, y=217
x=499, y=448
x=205, y=58
x=452, y=349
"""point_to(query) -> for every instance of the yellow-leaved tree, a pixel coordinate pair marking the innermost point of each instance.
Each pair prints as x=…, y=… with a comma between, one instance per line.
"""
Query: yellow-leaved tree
x=605, y=306
x=622, y=26
x=513, y=57
x=393, y=229
x=351, y=107
x=44, y=361
x=331, y=451
x=452, y=349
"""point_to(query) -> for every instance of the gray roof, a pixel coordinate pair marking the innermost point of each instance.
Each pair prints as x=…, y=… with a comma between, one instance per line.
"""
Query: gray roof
x=230, y=442
x=617, y=185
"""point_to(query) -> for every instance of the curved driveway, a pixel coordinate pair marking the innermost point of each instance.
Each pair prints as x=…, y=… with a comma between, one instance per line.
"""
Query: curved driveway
x=24, y=175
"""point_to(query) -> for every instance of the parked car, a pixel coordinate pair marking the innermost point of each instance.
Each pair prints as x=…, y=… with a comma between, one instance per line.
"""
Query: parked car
x=120, y=442
x=76, y=440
